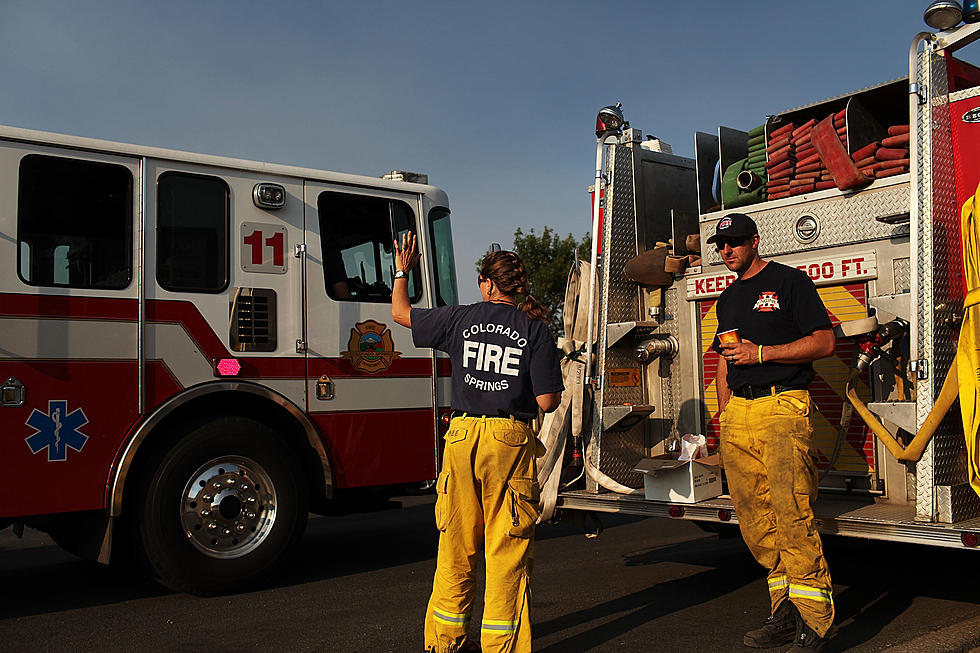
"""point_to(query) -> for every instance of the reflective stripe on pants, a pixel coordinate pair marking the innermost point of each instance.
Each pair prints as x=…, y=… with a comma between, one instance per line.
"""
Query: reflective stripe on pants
x=767, y=451
x=487, y=498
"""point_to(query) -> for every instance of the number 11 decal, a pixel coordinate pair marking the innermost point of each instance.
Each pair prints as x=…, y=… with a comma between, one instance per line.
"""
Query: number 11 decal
x=263, y=248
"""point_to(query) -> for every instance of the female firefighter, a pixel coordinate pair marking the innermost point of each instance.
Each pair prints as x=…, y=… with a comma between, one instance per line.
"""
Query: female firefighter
x=505, y=367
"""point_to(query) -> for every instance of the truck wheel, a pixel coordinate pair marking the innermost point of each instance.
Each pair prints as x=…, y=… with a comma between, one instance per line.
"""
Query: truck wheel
x=224, y=505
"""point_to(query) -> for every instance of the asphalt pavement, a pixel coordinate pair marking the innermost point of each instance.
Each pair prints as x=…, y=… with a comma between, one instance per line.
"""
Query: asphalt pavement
x=359, y=583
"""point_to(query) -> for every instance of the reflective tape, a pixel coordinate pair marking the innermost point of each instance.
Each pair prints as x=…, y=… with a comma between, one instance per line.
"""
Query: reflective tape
x=778, y=581
x=450, y=618
x=811, y=593
x=500, y=626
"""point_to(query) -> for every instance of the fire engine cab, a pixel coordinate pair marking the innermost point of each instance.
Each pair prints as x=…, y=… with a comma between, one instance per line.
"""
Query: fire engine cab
x=872, y=194
x=197, y=350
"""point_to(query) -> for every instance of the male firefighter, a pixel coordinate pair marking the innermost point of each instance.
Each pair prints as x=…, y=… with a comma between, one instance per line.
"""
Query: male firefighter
x=771, y=327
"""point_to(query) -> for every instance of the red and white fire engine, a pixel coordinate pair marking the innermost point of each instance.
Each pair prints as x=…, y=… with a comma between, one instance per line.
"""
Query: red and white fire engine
x=197, y=350
x=879, y=235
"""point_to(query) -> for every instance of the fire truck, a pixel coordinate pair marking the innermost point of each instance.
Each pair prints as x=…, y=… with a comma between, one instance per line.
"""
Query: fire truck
x=882, y=242
x=196, y=351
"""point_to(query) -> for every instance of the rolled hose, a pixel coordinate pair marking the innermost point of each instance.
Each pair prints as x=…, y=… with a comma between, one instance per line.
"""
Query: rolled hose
x=911, y=453
x=748, y=180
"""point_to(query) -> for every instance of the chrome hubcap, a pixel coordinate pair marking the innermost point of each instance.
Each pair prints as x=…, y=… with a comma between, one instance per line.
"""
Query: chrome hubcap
x=228, y=507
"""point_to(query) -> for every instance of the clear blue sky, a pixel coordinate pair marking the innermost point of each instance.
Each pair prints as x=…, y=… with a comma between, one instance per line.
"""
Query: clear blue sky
x=496, y=101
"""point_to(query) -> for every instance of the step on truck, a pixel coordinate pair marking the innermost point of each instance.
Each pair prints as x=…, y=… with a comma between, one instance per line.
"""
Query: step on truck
x=879, y=234
x=195, y=351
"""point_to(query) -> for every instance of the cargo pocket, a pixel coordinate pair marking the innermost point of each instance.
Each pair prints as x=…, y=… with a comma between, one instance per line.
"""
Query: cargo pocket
x=443, y=512
x=514, y=434
x=523, y=497
x=456, y=433
x=792, y=406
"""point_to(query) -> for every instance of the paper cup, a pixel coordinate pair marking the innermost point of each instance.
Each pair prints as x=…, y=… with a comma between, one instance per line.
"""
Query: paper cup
x=729, y=337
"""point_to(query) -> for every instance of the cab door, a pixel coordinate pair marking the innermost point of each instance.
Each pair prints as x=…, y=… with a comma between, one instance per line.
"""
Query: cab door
x=68, y=323
x=370, y=390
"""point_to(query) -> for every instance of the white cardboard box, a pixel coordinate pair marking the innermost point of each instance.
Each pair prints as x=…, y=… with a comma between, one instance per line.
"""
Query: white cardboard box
x=680, y=481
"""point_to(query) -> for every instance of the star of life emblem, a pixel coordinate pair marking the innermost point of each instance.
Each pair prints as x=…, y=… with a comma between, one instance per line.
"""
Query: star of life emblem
x=767, y=302
x=57, y=431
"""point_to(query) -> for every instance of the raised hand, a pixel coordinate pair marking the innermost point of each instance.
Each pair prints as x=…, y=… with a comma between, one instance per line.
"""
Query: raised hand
x=406, y=254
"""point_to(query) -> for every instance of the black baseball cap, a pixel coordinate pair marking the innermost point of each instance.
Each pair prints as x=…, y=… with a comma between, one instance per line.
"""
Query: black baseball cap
x=734, y=226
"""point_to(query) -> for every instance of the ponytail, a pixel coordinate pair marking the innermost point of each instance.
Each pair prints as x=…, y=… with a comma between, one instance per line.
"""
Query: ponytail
x=534, y=309
x=506, y=270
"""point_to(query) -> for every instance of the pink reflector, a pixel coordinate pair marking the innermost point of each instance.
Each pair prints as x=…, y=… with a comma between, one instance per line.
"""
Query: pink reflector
x=228, y=367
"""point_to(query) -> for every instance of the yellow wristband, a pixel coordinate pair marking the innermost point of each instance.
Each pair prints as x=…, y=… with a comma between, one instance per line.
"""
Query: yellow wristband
x=760, y=354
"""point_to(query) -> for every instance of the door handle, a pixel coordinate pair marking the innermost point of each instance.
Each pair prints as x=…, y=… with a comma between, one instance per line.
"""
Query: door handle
x=13, y=393
x=324, y=387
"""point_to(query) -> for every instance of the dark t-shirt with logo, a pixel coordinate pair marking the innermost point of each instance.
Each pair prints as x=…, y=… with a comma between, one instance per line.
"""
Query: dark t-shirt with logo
x=777, y=305
x=501, y=358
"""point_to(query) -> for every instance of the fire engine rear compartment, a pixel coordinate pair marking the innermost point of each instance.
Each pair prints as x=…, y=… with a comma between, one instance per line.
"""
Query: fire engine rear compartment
x=856, y=247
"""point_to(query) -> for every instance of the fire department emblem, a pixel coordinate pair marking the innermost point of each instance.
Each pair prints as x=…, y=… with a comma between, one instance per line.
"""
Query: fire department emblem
x=767, y=302
x=371, y=348
x=57, y=431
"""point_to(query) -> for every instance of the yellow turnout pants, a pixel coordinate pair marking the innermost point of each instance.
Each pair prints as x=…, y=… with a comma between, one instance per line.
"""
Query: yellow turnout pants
x=767, y=450
x=487, y=498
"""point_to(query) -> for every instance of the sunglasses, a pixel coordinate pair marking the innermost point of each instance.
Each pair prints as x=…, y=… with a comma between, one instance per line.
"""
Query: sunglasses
x=731, y=242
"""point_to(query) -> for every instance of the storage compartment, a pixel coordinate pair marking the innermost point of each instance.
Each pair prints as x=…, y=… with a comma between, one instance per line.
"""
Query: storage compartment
x=730, y=167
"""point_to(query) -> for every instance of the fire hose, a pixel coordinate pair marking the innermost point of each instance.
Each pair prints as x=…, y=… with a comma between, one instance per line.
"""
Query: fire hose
x=568, y=423
x=917, y=446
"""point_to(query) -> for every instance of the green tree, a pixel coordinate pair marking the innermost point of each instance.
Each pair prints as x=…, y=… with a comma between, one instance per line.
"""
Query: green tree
x=547, y=258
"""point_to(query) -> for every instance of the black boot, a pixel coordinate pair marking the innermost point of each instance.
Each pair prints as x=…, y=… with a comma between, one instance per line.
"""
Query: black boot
x=807, y=638
x=777, y=630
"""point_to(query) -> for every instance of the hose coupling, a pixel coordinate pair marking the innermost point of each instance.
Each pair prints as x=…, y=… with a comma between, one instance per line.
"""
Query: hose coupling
x=654, y=348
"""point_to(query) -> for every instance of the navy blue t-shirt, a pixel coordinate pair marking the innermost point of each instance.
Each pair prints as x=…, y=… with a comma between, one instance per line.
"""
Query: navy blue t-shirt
x=501, y=358
x=779, y=304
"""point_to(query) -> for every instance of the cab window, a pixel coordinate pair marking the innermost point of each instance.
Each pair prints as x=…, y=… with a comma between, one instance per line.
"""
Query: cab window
x=357, y=232
x=192, y=232
x=74, y=223
x=441, y=236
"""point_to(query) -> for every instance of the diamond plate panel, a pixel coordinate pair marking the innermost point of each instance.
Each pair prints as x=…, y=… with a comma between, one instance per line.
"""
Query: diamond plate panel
x=956, y=503
x=616, y=358
x=921, y=223
x=843, y=219
x=621, y=450
x=616, y=452
x=623, y=295
x=902, y=274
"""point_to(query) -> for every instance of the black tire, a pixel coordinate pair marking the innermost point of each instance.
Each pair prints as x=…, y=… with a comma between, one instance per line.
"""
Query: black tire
x=222, y=508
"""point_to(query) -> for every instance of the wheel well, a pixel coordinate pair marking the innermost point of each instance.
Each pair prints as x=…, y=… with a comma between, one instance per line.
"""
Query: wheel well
x=227, y=402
